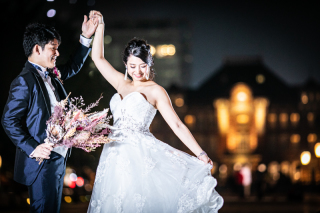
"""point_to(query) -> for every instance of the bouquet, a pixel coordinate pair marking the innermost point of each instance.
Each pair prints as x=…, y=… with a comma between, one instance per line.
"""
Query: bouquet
x=74, y=126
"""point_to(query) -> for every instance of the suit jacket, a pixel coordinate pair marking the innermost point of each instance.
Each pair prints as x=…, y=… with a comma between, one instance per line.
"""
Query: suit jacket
x=27, y=110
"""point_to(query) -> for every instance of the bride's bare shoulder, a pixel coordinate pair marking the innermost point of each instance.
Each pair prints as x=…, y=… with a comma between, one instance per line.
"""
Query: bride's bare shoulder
x=158, y=92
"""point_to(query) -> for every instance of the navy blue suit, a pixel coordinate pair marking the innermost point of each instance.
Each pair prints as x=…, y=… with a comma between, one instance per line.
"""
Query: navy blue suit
x=24, y=120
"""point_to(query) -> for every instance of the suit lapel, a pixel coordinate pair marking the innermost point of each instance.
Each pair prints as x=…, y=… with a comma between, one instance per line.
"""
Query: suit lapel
x=42, y=87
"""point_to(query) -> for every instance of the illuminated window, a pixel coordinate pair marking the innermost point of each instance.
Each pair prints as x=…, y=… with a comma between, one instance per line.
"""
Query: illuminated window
x=310, y=117
x=305, y=158
x=272, y=117
x=294, y=117
x=312, y=138
x=179, y=102
x=190, y=119
x=165, y=50
x=311, y=96
x=242, y=96
x=242, y=119
x=152, y=50
x=283, y=117
x=317, y=150
x=304, y=98
x=260, y=79
x=295, y=138
x=285, y=167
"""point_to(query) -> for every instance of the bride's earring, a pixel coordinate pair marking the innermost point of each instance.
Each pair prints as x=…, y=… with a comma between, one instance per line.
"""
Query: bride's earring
x=126, y=75
x=148, y=71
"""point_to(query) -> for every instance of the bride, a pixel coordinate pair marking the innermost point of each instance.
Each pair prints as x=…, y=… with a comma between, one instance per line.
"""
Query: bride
x=137, y=172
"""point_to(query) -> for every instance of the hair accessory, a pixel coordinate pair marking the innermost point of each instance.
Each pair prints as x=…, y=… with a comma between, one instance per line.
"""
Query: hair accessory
x=202, y=153
x=126, y=75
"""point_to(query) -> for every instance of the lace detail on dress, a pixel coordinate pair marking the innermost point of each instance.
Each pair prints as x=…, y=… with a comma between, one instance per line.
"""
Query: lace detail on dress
x=203, y=189
x=123, y=165
x=175, y=158
x=103, y=166
x=186, y=204
x=117, y=200
x=127, y=122
x=139, y=201
x=96, y=204
x=190, y=185
x=149, y=165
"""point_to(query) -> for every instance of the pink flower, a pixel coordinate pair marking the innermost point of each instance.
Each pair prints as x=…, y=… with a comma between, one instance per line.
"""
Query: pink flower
x=56, y=72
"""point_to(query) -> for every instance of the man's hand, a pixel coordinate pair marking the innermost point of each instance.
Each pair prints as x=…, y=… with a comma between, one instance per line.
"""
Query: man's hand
x=89, y=26
x=42, y=151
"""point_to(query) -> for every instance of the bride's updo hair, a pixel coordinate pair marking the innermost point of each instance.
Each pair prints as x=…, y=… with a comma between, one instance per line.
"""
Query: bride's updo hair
x=139, y=48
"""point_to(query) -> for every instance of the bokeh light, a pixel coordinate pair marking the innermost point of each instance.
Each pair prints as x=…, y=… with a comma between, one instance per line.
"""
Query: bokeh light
x=79, y=182
x=317, y=150
x=51, y=13
x=68, y=199
x=305, y=157
x=73, y=177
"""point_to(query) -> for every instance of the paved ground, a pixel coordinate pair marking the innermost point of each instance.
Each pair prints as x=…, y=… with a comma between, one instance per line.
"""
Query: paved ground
x=311, y=204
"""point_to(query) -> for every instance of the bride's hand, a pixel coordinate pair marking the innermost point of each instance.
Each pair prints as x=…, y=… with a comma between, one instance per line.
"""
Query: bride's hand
x=96, y=16
x=205, y=159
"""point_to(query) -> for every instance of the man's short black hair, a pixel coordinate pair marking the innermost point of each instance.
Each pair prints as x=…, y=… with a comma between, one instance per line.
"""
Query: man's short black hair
x=38, y=34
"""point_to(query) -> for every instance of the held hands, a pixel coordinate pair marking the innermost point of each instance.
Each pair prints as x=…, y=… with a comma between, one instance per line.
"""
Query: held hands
x=42, y=151
x=89, y=26
x=96, y=16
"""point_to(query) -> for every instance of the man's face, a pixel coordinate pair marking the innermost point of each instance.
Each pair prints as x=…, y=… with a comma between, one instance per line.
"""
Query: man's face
x=49, y=54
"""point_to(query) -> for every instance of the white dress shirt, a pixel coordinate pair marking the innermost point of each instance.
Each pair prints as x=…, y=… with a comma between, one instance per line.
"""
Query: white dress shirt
x=62, y=150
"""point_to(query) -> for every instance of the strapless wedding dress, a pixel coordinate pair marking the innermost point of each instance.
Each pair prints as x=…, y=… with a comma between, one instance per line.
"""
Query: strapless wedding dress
x=138, y=173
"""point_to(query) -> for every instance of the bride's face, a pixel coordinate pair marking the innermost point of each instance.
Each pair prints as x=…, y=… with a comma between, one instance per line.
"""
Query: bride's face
x=137, y=68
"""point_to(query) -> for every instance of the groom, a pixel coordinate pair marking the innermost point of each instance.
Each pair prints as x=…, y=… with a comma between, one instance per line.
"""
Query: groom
x=32, y=97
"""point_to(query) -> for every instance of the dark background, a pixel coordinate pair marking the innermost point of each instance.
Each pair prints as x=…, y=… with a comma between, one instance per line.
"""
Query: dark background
x=284, y=33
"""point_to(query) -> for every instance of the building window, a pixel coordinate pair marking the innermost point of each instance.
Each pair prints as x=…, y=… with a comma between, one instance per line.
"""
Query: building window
x=304, y=98
x=294, y=118
x=310, y=117
x=242, y=119
x=295, y=138
x=311, y=96
x=283, y=118
x=312, y=137
x=272, y=117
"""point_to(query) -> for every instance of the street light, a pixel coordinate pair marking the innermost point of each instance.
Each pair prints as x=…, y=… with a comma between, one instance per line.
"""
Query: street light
x=316, y=150
x=305, y=157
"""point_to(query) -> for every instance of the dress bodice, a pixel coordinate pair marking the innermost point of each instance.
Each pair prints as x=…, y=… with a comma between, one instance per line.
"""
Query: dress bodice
x=133, y=112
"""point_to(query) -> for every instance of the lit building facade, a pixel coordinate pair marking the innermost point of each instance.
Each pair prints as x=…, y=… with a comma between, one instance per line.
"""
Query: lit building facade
x=246, y=115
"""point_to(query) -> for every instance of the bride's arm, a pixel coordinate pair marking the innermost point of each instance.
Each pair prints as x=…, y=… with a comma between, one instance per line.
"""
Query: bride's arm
x=114, y=77
x=163, y=104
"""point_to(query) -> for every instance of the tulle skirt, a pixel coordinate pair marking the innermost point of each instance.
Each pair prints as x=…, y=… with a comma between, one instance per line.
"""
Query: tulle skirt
x=138, y=173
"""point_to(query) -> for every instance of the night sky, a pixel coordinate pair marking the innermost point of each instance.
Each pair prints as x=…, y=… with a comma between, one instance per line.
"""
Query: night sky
x=284, y=34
